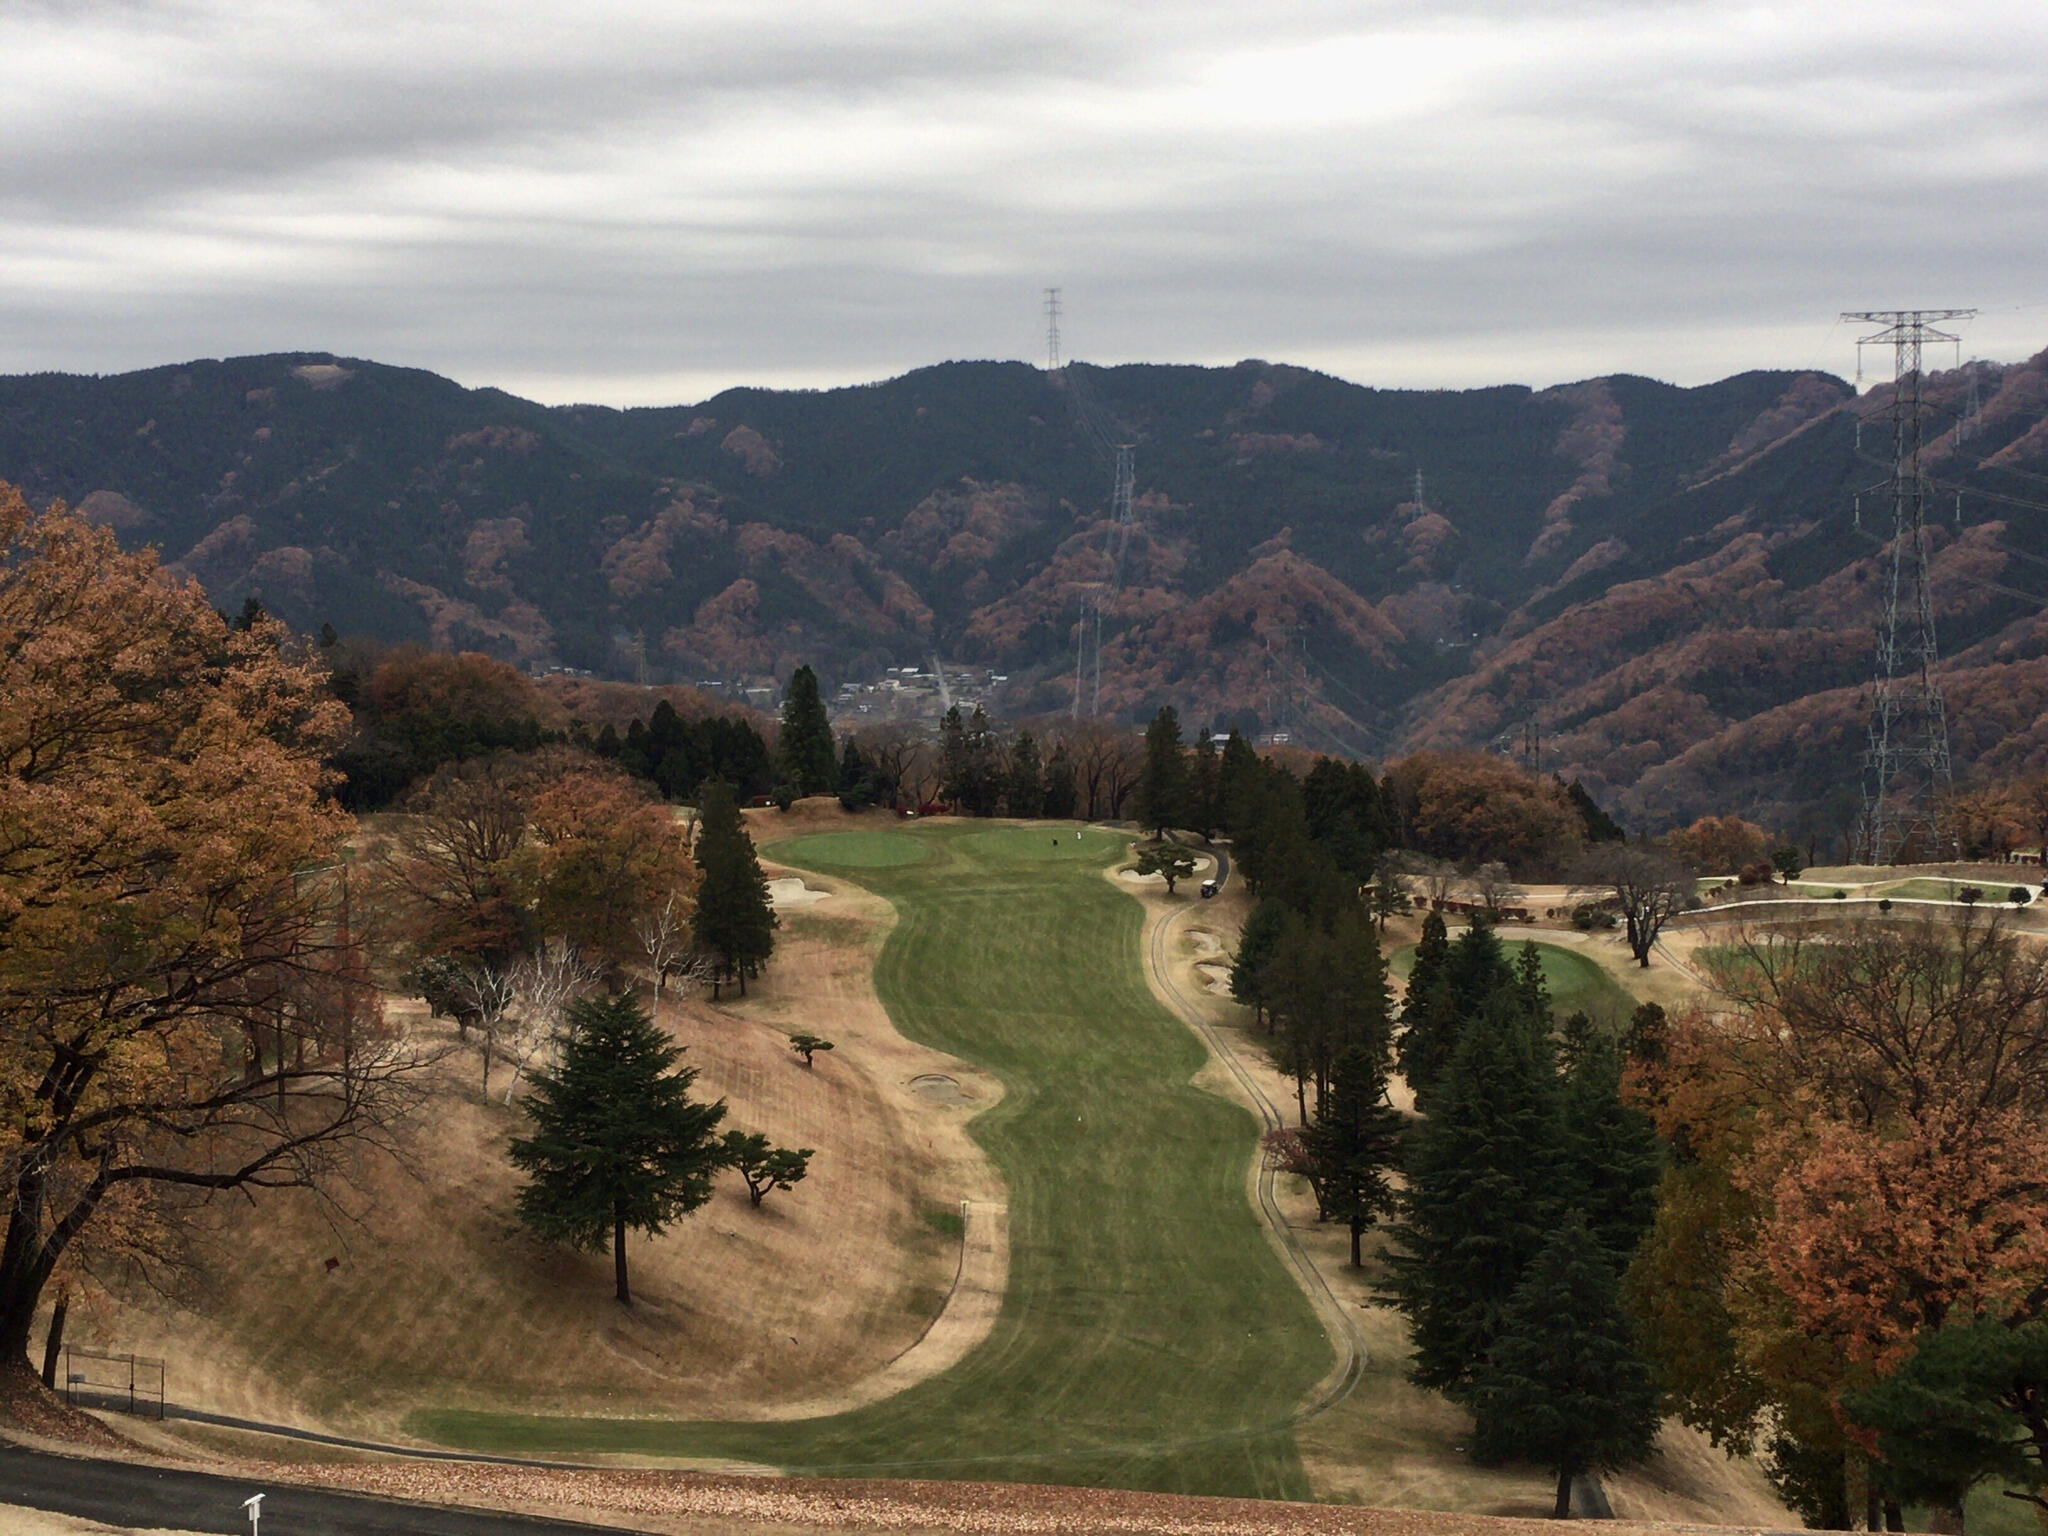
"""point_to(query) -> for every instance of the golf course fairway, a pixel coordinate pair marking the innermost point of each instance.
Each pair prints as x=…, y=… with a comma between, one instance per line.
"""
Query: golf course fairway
x=1149, y=1337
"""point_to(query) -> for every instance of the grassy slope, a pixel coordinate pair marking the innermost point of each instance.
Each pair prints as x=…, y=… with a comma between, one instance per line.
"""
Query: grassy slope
x=1149, y=1337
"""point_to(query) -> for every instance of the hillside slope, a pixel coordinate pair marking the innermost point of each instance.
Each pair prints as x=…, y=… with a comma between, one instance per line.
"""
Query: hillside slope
x=1651, y=570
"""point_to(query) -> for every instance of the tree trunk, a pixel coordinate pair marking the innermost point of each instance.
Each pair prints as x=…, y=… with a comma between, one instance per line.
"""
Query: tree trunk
x=619, y=1254
x=1301, y=1099
x=1357, y=1240
x=743, y=981
x=1946, y=1519
x=54, y=1344
x=1894, y=1517
x=1562, y=1509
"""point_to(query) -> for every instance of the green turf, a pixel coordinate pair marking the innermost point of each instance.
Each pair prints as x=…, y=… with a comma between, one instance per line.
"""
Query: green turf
x=1575, y=981
x=851, y=850
x=1149, y=1337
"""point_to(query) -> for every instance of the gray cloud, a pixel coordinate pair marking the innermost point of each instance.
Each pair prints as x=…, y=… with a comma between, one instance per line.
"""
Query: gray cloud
x=634, y=202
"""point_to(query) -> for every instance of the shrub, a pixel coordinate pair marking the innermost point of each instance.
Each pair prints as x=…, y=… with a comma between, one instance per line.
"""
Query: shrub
x=2019, y=896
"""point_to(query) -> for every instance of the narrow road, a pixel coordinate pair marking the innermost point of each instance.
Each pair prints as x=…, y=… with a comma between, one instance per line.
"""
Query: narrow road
x=120, y=1493
x=1342, y=1329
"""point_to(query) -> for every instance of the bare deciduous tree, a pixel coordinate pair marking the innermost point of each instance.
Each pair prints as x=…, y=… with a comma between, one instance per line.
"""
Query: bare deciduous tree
x=543, y=985
x=485, y=992
x=665, y=936
x=1493, y=888
x=1647, y=888
x=1420, y=875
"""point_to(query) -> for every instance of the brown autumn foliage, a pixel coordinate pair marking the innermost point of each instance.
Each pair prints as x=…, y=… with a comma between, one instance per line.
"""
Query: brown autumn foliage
x=1474, y=808
x=179, y=1009
x=433, y=685
x=1864, y=1158
x=602, y=852
x=494, y=856
x=1720, y=845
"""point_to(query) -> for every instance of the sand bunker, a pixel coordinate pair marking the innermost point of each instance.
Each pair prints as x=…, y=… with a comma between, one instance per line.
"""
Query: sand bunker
x=1205, y=942
x=940, y=1089
x=1215, y=977
x=790, y=891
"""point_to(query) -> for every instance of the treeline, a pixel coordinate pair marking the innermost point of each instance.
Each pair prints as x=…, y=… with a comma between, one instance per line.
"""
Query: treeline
x=1517, y=1204
x=1528, y=1187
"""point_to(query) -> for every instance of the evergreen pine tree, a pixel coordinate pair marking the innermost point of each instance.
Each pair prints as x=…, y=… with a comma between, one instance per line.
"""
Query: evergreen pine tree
x=1062, y=795
x=1294, y=984
x=1477, y=968
x=617, y=1142
x=1480, y=1196
x=1354, y=1143
x=735, y=922
x=1531, y=987
x=1162, y=798
x=1024, y=786
x=858, y=786
x=956, y=769
x=1428, y=1012
x=1202, y=815
x=805, y=755
x=1238, y=775
x=1256, y=943
x=1563, y=1385
x=1357, y=983
x=1574, y=1039
x=1612, y=1160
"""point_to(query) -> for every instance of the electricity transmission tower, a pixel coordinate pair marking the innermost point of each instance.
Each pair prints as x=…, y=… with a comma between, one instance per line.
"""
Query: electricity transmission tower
x=1907, y=781
x=1112, y=440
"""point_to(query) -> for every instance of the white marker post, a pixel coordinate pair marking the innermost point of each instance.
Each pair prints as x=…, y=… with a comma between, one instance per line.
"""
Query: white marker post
x=254, y=1505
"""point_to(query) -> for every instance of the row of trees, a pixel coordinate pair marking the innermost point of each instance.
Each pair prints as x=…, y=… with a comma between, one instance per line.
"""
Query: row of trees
x=1528, y=1187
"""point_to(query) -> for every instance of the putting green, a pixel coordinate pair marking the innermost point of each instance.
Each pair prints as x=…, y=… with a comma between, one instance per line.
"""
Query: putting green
x=1149, y=1336
x=848, y=850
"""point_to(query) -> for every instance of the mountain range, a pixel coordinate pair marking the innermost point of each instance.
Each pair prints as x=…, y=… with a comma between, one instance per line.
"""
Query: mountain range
x=1670, y=592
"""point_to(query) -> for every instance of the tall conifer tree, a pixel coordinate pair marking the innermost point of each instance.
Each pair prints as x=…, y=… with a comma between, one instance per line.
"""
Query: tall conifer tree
x=804, y=752
x=1612, y=1160
x=618, y=1145
x=1481, y=1195
x=1563, y=1385
x=1062, y=795
x=735, y=922
x=1354, y=1143
x=1162, y=799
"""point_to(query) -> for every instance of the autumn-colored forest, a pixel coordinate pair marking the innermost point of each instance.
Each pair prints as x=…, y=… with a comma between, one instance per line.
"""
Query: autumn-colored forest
x=1671, y=582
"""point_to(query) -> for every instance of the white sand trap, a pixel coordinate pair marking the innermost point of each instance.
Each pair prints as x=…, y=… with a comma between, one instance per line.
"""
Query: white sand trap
x=940, y=1089
x=1205, y=942
x=1215, y=977
x=790, y=891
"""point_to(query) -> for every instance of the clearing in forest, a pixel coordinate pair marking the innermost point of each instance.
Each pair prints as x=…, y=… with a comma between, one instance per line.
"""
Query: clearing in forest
x=1149, y=1337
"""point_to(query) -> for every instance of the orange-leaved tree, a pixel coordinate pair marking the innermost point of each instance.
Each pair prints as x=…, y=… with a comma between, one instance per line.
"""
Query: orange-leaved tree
x=180, y=1009
x=1868, y=1119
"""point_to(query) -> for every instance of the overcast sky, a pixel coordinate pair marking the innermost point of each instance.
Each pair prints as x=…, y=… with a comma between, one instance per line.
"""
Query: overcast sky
x=644, y=201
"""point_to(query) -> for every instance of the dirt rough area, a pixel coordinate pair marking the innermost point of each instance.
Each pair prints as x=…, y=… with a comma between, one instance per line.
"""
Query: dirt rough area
x=853, y=1285
x=699, y=1503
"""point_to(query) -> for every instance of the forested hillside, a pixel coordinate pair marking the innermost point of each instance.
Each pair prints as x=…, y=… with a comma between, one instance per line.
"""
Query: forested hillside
x=1670, y=580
